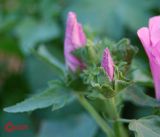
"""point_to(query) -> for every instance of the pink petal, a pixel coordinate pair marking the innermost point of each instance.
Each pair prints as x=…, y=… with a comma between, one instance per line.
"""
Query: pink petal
x=154, y=28
x=143, y=34
x=155, y=53
x=155, y=69
x=150, y=39
x=107, y=64
x=71, y=20
x=74, y=63
x=82, y=35
x=78, y=36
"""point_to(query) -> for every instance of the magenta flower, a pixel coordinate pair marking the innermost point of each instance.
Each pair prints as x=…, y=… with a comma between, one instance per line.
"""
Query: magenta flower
x=74, y=38
x=150, y=38
x=107, y=64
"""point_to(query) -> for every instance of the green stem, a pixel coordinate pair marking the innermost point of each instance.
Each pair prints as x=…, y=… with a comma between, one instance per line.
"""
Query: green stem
x=118, y=127
x=100, y=121
x=125, y=120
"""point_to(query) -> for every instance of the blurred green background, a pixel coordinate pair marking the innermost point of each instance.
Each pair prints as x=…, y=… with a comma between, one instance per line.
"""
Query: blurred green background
x=25, y=24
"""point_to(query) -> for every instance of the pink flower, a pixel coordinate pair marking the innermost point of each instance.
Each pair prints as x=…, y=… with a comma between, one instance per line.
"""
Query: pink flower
x=150, y=38
x=107, y=64
x=74, y=38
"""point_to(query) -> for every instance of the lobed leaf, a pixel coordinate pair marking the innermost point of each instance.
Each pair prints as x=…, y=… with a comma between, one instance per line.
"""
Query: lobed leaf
x=146, y=127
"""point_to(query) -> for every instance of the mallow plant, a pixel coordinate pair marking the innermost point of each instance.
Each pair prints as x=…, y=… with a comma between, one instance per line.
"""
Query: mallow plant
x=98, y=73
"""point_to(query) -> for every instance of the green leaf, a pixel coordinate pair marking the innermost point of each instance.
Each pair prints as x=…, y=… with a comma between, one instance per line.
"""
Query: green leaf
x=107, y=91
x=95, y=76
x=30, y=32
x=124, y=51
x=138, y=97
x=99, y=86
x=44, y=73
x=146, y=127
x=141, y=72
x=121, y=85
x=87, y=53
x=55, y=96
x=45, y=55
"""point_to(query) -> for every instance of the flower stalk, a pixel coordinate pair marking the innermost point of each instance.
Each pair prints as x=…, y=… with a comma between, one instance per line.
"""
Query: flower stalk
x=100, y=121
x=114, y=115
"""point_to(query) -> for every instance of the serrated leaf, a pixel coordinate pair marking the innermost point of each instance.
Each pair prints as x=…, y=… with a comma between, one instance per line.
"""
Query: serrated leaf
x=138, y=97
x=146, y=127
x=95, y=76
x=96, y=79
x=121, y=85
x=52, y=96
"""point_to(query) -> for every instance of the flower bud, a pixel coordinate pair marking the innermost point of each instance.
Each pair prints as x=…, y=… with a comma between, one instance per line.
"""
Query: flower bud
x=107, y=64
x=74, y=38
